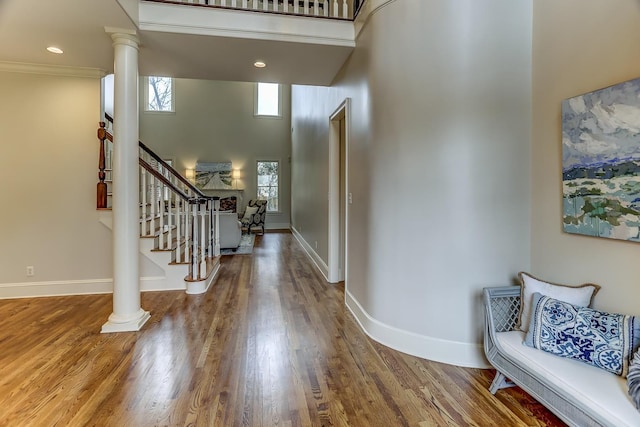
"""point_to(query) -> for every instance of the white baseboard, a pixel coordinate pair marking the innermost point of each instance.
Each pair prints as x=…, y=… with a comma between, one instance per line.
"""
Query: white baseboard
x=315, y=258
x=277, y=226
x=80, y=287
x=436, y=349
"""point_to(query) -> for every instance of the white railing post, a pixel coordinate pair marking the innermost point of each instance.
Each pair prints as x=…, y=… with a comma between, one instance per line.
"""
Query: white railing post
x=161, y=220
x=186, y=210
x=316, y=7
x=216, y=233
x=177, y=212
x=169, y=207
x=296, y=6
x=325, y=8
x=265, y=4
x=255, y=4
x=335, y=8
x=202, y=261
x=245, y=4
x=285, y=6
x=154, y=205
x=143, y=187
x=234, y=3
x=306, y=7
x=193, y=261
x=223, y=2
x=345, y=9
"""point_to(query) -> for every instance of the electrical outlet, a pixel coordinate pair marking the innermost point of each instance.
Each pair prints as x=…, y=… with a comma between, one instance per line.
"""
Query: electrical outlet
x=350, y=198
x=30, y=271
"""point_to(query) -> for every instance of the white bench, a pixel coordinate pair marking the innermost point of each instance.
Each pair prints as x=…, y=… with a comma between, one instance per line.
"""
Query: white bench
x=579, y=394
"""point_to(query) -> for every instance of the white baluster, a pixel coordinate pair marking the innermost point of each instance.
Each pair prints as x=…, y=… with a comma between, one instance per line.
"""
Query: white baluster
x=265, y=4
x=184, y=212
x=325, y=7
x=245, y=4
x=161, y=220
x=296, y=7
x=203, y=241
x=335, y=8
x=345, y=9
x=179, y=224
x=234, y=3
x=223, y=2
x=216, y=233
x=285, y=6
x=316, y=7
x=255, y=4
x=306, y=7
x=170, y=219
x=154, y=205
x=193, y=267
x=143, y=186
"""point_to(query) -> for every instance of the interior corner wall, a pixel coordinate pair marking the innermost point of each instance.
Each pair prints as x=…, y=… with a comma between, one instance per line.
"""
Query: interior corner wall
x=214, y=122
x=438, y=165
x=48, y=176
x=578, y=46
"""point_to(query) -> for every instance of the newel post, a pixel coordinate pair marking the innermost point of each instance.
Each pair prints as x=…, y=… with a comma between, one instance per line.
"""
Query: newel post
x=102, y=186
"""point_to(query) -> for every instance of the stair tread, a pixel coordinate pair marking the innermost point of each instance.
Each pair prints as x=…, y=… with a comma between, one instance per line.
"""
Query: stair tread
x=212, y=263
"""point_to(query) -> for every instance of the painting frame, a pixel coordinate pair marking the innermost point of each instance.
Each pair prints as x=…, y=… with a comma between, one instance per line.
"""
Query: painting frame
x=213, y=176
x=601, y=162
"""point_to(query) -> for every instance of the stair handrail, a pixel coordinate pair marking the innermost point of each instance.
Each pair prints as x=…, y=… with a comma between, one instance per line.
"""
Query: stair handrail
x=165, y=181
x=164, y=164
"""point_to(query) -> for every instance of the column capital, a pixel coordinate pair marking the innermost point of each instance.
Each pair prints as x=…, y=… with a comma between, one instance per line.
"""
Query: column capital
x=123, y=36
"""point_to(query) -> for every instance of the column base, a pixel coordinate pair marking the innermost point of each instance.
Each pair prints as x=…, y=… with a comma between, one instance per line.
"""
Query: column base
x=114, y=324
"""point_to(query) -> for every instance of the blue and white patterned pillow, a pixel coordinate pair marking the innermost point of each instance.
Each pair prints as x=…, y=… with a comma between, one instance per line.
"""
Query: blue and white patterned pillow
x=601, y=339
x=633, y=379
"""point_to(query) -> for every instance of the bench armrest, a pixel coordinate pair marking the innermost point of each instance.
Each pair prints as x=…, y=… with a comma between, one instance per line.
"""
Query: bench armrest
x=501, y=307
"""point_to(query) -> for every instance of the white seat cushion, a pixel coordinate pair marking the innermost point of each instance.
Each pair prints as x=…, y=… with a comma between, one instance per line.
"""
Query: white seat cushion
x=602, y=391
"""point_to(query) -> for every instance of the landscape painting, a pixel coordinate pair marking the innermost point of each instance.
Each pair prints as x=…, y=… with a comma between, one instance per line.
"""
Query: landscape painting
x=213, y=176
x=601, y=162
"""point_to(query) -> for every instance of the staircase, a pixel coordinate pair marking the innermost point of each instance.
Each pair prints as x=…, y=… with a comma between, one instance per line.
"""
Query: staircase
x=178, y=223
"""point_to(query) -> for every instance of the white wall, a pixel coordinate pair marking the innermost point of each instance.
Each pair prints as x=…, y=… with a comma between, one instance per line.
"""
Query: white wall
x=438, y=168
x=578, y=46
x=214, y=122
x=48, y=176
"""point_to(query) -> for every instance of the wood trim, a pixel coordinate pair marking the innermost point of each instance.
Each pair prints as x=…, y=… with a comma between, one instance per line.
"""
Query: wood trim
x=51, y=70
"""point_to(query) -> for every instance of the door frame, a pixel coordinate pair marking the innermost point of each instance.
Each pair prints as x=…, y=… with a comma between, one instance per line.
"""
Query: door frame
x=343, y=112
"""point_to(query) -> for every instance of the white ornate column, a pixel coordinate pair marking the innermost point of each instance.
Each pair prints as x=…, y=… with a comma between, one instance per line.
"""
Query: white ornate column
x=127, y=313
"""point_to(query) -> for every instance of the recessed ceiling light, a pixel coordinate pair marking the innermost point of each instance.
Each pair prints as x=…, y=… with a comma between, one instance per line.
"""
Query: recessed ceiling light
x=259, y=64
x=54, y=49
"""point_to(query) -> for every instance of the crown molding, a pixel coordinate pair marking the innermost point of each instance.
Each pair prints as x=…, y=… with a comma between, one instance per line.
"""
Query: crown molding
x=51, y=70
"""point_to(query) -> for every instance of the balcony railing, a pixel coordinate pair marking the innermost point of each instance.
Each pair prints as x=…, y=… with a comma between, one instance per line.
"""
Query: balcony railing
x=337, y=9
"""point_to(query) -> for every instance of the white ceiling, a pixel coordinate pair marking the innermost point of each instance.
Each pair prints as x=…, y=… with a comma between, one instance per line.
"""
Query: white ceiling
x=27, y=27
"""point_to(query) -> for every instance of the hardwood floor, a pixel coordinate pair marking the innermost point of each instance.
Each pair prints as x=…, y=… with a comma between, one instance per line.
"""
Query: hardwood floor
x=270, y=344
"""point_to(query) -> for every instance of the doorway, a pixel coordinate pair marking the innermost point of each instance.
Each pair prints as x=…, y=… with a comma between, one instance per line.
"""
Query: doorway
x=339, y=196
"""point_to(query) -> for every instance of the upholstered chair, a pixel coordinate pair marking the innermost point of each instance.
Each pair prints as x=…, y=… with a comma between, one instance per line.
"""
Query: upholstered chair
x=254, y=215
x=228, y=204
